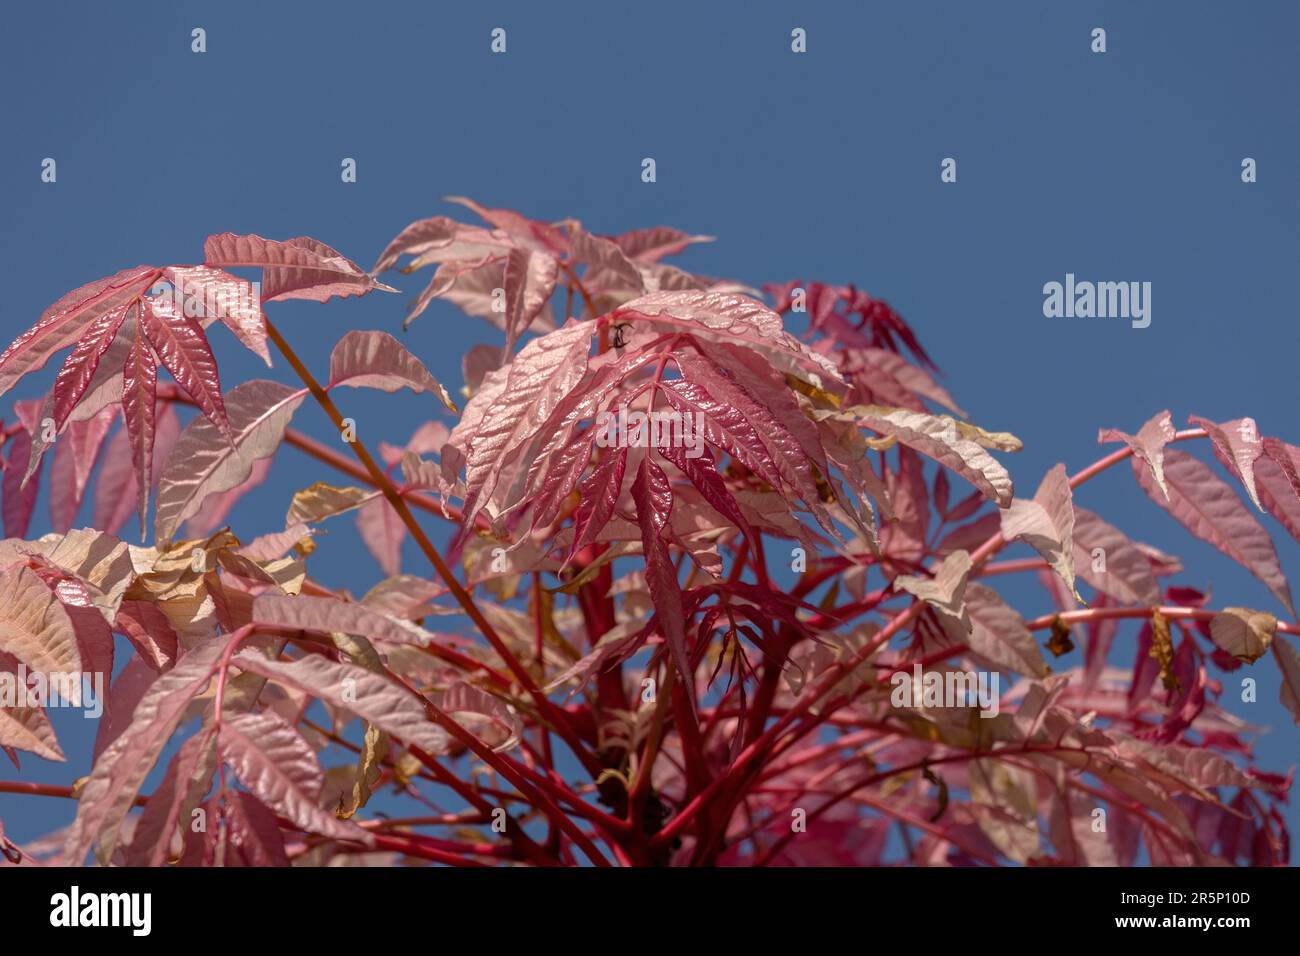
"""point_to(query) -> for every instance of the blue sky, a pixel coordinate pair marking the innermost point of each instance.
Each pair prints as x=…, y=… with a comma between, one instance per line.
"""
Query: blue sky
x=1118, y=166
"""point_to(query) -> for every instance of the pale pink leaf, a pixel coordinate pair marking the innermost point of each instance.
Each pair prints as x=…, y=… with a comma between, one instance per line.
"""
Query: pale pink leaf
x=544, y=372
x=939, y=438
x=944, y=590
x=1237, y=445
x=535, y=233
x=202, y=463
x=1277, y=479
x=1110, y=562
x=215, y=295
x=187, y=780
x=655, y=243
x=1205, y=505
x=116, y=490
x=382, y=530
x=618, y=270
x=34, y=626
x=529, y=281
x=1047, y=524
x=1243, y=633
x=150, y=631
x=377, y=360
x=300, y=268
x=1148, y=444
x=491, y=720
x=734, y=318
x=999, y=635
x=273, y=760
x=327, y=615
x=368, y=695
x=121, y=769
x=216, y=508
x=25, y=727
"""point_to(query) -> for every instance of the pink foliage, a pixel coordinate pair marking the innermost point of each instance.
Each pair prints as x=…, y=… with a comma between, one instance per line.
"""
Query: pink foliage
x=722, y=585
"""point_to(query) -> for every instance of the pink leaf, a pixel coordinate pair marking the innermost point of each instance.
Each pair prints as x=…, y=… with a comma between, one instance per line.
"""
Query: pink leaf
x=116, y=491
x=703, y=474
x=139, y=396
x=617, y=269
x=300, y=268
x=539, y=234
x=787, y=453
x=1125, y=573
x=1236, y=444
x=124, y=696
x=383, y=532
x=272, y=760
x=19, y=500
x=939, y=438
x=417, y=238
x=66, y=320
x=368, y=695
x=1047, y=524
x=216, y=508
x=1277, y=479
x=731, y=318
x=214, y=294
x=598, y=498
x=377, y=360
x=203, y=464
x=999, y=635
x=655, y=243
x=529, y=282
x=1209, y=509
x=251, y=836
x=181, y=346
x=187, y=780
x=654, y=503
x=74, y=458
x=26, y=727
x=149, y=630
x=327, y=615
x=896, y=381
x=541, y=375
x=82, y=362
x=115, y=781
x=1288, y=662
x=1148, y=444
x=35, y=627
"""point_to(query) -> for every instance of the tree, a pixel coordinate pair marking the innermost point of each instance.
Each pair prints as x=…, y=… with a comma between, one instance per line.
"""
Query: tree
x=714, y=593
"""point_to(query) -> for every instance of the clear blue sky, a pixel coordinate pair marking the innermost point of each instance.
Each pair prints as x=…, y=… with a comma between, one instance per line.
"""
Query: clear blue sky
x=1121, y=166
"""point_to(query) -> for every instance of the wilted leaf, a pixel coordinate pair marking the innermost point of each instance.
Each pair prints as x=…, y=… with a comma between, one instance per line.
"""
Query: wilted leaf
x=1243, y=633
